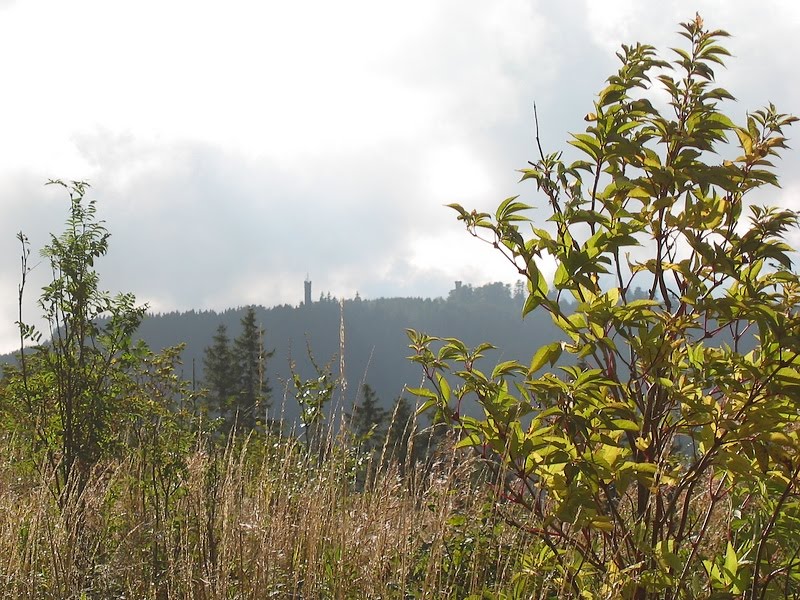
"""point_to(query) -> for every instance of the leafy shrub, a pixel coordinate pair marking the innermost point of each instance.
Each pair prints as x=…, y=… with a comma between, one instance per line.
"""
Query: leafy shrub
x=654, y=447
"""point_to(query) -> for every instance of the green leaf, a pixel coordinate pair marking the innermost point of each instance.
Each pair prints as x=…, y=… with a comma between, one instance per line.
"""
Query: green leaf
x=546, y=354
x=537, y=281
x=444, y=387
x=626, y=425
x=531, y=303
x=731, y=564
x=470, y=440
x=505, y=367
x=427, y=405
x=422, y=393
x=587, y=143
x=561, y=276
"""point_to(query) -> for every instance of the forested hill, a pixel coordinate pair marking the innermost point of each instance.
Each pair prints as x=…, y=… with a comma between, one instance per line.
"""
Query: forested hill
x=376, y=345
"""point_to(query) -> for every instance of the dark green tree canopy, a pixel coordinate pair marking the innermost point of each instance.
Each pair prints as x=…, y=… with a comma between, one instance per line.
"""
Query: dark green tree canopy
x=235, y=375
x=219, y=368
x=368, y=421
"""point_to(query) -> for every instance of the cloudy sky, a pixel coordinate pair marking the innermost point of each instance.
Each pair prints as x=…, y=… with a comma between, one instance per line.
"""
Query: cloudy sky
x=235, y=146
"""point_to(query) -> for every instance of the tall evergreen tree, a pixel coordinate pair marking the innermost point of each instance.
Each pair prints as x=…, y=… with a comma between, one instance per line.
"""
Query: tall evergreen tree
x=368, y=421
x=219, y=373
x=252, y=388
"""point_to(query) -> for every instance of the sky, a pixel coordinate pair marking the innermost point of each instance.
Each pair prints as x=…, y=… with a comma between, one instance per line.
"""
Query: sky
x=234, y=148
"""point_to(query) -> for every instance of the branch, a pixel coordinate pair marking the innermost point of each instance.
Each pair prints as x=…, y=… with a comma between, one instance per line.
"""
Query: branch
x=538, y=141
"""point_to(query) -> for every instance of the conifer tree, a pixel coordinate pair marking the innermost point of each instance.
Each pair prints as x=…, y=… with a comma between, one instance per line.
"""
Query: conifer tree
x=368, y=420
x=219, y=372
x=249, y=359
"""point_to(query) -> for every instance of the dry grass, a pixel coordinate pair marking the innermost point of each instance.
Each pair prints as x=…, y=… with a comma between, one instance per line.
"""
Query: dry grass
x=258, y=520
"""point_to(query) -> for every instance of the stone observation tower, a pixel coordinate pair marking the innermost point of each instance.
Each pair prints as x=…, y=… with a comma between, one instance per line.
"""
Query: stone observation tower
x=307, y=284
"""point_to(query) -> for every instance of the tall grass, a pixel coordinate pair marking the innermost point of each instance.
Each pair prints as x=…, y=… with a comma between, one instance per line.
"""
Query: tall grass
x=263, y=518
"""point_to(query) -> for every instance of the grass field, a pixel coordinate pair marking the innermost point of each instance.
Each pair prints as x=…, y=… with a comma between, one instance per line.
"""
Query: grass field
x=259, y=519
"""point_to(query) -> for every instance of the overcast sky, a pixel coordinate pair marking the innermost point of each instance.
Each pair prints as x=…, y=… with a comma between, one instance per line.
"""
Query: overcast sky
x=233, y=147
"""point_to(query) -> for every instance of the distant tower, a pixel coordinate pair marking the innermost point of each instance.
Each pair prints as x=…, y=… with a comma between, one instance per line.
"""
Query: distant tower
x=308, y=291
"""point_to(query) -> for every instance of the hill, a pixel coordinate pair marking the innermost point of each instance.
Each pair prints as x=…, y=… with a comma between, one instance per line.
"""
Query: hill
x=376, y=345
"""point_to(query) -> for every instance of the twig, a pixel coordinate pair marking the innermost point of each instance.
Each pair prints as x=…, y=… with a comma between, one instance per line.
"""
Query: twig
x=536, y=121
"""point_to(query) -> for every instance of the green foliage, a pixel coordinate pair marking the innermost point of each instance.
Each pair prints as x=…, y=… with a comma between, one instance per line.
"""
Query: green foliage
x=312, y=396
x=163, y=428
x=628, y=441
x=70, y=390
x=471, y=550
x=89, y=393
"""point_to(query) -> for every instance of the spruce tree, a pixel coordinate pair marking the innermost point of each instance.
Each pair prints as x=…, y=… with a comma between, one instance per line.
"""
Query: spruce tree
x=368, y=420
x=252, y=388
x=219, y=373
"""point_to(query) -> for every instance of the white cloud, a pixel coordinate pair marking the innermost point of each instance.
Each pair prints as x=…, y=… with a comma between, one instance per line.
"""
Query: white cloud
x=235, y=147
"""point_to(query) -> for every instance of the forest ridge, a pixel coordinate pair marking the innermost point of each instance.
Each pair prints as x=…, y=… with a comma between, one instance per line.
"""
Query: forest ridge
x=376, y=344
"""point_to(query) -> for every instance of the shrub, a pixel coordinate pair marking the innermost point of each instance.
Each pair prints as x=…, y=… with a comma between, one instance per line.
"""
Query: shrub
x=654, y=448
